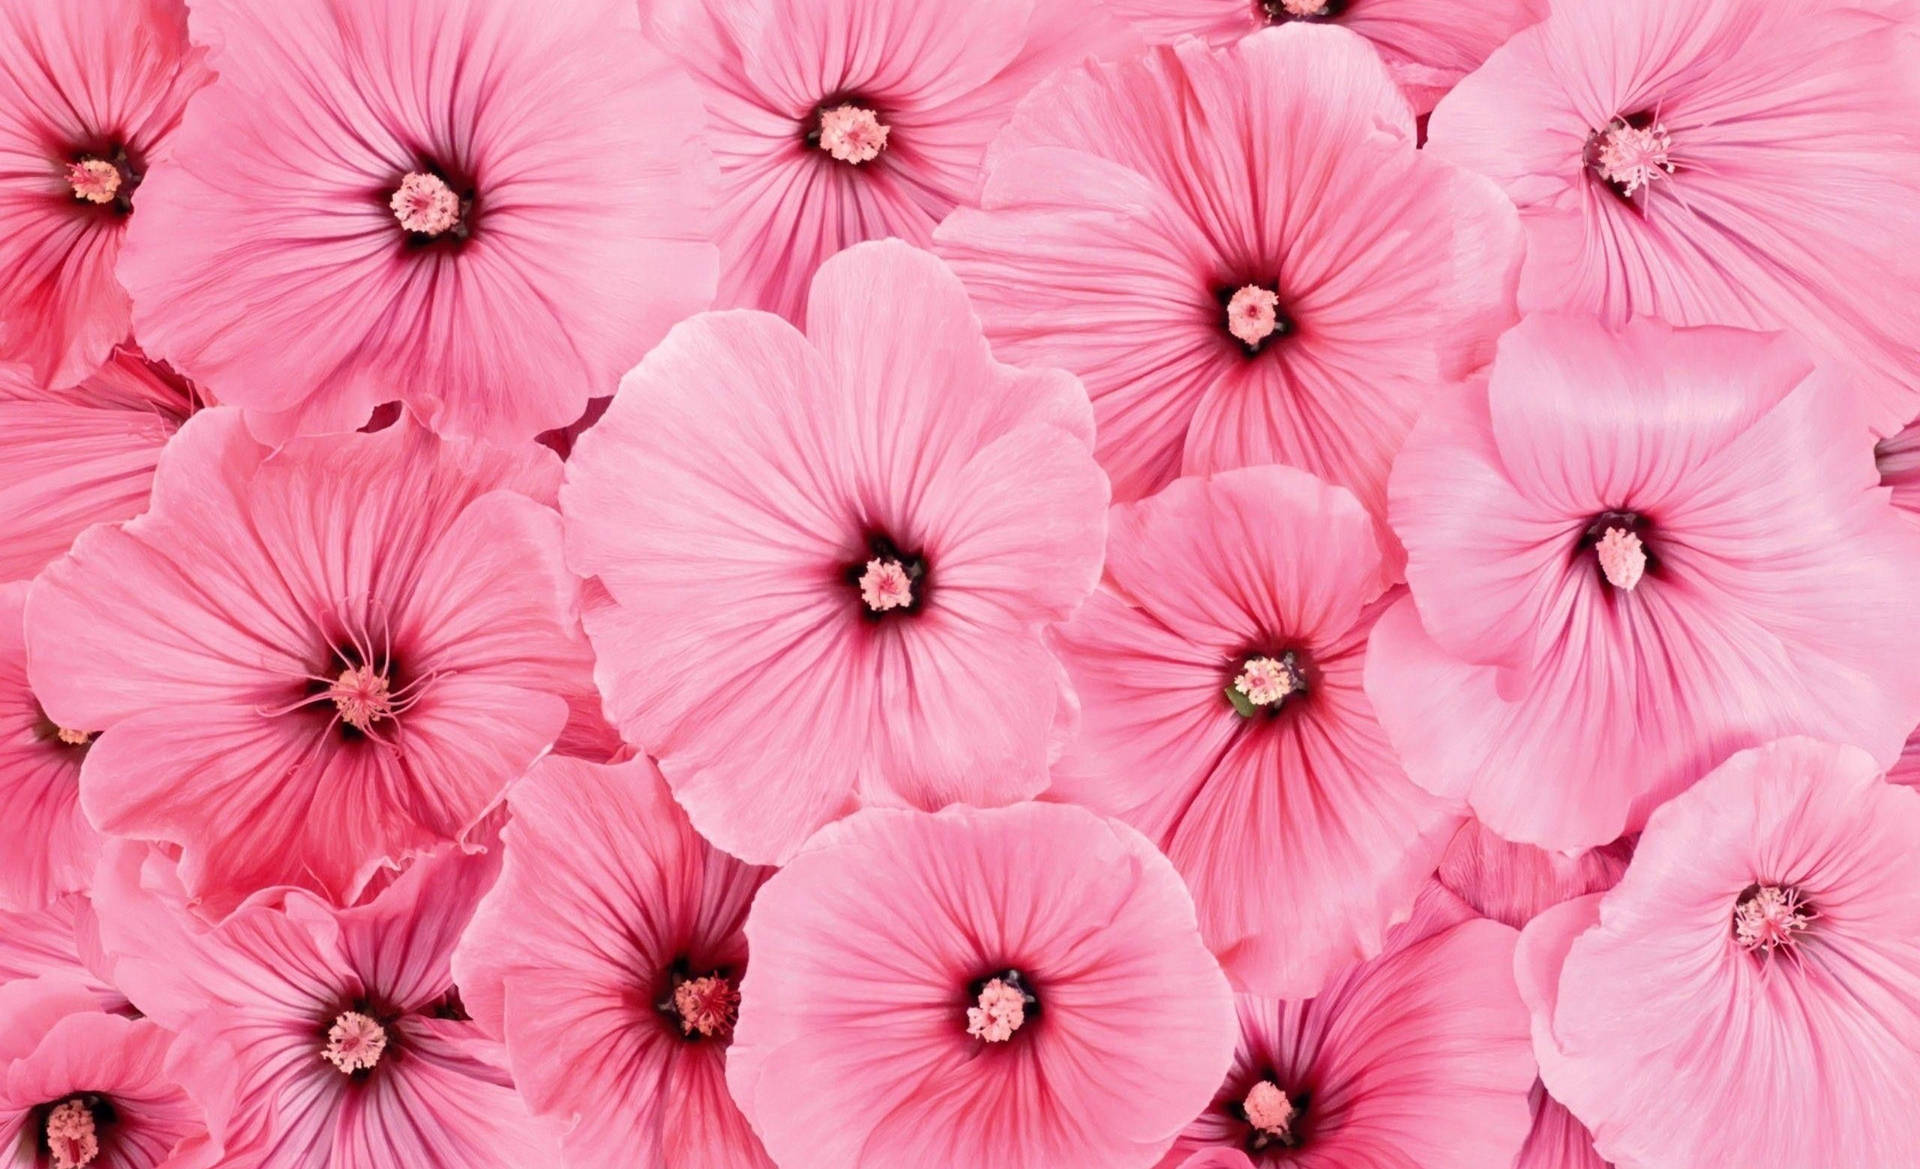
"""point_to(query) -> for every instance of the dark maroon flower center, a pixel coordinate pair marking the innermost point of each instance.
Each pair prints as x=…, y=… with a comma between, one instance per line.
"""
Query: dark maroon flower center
x=1253, y=314
x=75, y=1131
x=889, y=581
x=103, y=177
x=848, y=127
x=1620, y=544
x=1284, y=11
x=1630, y=155
x=1000, y=1005
x=434, y=205
x=1262, y=683
x=1275, y=1117
x=698, y=1004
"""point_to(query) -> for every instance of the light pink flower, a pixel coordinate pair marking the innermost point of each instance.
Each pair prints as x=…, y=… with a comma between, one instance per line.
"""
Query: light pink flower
x=1219, y=678
x=52, y=848
x=83, y=1089
x=609, y=956
x=1415, y=1057
x=79, y=456
x=857, y=1048
x=90, y=95
x=734, y=502
x=344, y=1034
x=1753, y=163
x=1129, y=206
x=306, y=664
x=1750, y=990
x=59, y=940
x=1778, y=591
x=837, y=121
x=485, y=208
x=1428, y=45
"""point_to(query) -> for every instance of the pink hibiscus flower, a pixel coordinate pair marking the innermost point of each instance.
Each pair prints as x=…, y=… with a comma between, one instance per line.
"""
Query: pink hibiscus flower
x=830, y=557
x=1429, y=45
x=59, y=940
x=486, y=208
x=1018, y=987
x=1416, y=1057
x=74, y=457
x=53, y=848
x=90, y=95
x=609, y=956
x=1750, y=990
x=1753, y=163
x=83, y=1089
x=1632, y=553
x=1241, y=254
x=837, y=121
x=346, y=1039
x=1219, y=676
x=306, y=664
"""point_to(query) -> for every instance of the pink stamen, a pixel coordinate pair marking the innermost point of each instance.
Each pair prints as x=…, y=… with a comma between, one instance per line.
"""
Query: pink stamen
x=94, y=180
x=1253, y=314
x=354, y=1042
x=885, y=585
x=707, y=1006
x=1266, y=681
x=362, y=696
x=1623, y=558
x=1269, y=1111
x=1001, y=1011
x=73, y=738
x=72, y=1136
x=1303, y=7
x=1768, y=918
x=1634, y=158
x=424, y=204
x=853, y=134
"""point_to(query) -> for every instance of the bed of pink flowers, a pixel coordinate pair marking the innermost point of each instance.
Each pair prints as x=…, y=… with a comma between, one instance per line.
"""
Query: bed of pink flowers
x=959, y=584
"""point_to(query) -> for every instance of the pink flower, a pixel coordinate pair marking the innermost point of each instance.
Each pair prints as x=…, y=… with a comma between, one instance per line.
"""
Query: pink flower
x=53, y=848
x=1416, y=1057
x=1753, y=163
x=59, y=940
x=90, y=95
x=306, y=664
x=74, y=457
x=1135, y=213
x=1899, y=460
x=1515, y=883
x=1750, y=990
x=346, y=1039
x=1777, y=594
x=485, y=208
x=1219, y=677
x=859, y=1046
x=751, y=502
x=609, y=956
x=837, y=121
x=1428, y=45
x=83, y=1089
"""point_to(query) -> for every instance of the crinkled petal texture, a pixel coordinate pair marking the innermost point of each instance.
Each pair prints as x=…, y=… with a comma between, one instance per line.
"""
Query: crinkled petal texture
x=54, y=848
x=102, y=82
x=59, y=940
x=1777, y=593
x=743, y=482
x=256, y=997
x=269, y=263
x=1429, y=45
x=1793, y=131
x=1127, y=204
x=1679, y=1045
x=1515, y=883
x=216, y=641
x=606, y=898
x=871, y=946
x=940, y=76
x=1417, y=1058
x=1295, y=828
x=60, y=1047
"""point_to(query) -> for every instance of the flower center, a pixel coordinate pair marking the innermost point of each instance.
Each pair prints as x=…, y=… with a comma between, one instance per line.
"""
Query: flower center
x=1001, y=1006
x=425, y=205
x=354, y=1042
x=73, y=1137
x=889, y=580
x=1268, y=681
x=1618, y=547
x=363, y=697
x=1251, y=313
x=1632, y=157
x=73, y=738
x=1766, y=917
x=706, y=1006
x=1282, y=11
x=94, y=179
x=852, y=133
x=885, y=585
x=1270, y=1113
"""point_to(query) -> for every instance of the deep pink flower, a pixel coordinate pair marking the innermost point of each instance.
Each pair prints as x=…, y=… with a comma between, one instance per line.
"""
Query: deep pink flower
x=1219, y=678
x=837, y=121
x=59, y=940
x=346, y=1039
x=1750, y=990
x=1753, y=163
x=84, y=1089
x=306, y=664
x=752, y=502
x=485, y=208
x=1631, y=553
x=1415, y=1057
x=74, y=457
x=1137, y=213
x=609, y=956
x=52, y=848
x=90, y=95
x=1429, y=45
x=1018, y=987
